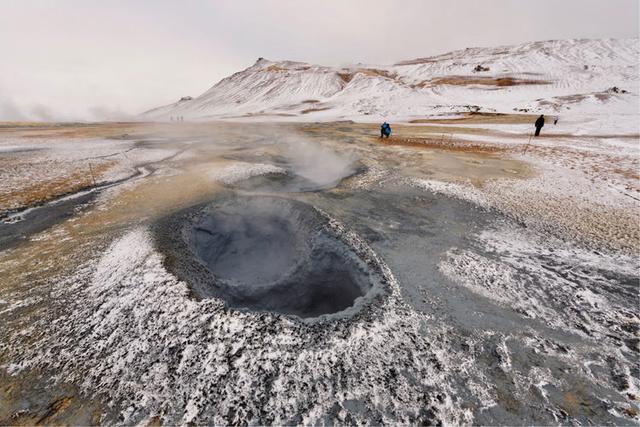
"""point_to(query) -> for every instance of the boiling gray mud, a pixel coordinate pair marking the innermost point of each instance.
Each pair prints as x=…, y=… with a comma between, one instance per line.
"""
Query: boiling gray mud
x=290, y=182
x=264, y=253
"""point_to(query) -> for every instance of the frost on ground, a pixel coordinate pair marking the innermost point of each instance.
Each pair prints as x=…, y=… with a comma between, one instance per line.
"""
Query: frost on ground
x=567, y=287
x=572, y=291
x=132, y=332
x=39, y=169
x=241, y=171
x=133, y=339
x=557, y=201
x=563, y=259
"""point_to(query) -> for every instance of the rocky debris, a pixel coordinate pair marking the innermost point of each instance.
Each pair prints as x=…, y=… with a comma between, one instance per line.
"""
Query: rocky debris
x=616, y=89
x=479, y=68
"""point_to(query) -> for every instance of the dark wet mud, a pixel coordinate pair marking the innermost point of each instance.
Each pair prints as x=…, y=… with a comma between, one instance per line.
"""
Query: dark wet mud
x=264, y=253
x=31, y=222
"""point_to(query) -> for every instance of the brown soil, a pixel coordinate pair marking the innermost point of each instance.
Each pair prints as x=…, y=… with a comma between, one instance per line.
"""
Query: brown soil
x=43, y=191
x=347, y=76
x=484, y=118
x=596, y=136
x=374, y=72
x=312, y=110
x=154, y=422
x=55, y=408
x=417, y=61
x=268, y=115
x=477, y=80
x=603, y=97
x=442, y=143
x=632, y=175
x=74, y=130
x=24, y=418
x=275, y=68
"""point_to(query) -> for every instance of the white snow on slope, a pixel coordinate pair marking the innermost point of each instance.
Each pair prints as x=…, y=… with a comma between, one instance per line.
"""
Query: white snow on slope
x=562, y=76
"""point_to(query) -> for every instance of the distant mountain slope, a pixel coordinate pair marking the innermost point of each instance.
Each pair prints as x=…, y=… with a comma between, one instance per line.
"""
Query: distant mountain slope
x=587, y=76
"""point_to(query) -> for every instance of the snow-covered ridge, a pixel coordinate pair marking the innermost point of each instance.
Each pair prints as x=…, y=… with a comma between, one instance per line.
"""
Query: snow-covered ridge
x=548, y=77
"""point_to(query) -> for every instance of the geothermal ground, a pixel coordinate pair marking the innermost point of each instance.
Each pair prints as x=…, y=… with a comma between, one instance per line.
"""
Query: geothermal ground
x=236, y=273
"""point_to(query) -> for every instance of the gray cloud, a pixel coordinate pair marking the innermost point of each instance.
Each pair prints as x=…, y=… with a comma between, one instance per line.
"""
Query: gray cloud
x=9, y=110
x=91, y=60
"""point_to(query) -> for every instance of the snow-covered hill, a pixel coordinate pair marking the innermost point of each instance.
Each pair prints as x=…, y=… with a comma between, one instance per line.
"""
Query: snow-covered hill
x=553, y=77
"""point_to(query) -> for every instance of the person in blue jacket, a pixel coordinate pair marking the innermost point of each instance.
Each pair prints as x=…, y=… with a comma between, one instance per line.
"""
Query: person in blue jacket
x=385, y=130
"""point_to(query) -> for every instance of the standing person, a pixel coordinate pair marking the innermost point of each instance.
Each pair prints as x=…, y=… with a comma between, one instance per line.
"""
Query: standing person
x=555, y=121
x=539, y=124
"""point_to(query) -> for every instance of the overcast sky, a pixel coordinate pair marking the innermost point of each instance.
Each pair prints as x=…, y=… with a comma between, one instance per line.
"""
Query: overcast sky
x=85, y=59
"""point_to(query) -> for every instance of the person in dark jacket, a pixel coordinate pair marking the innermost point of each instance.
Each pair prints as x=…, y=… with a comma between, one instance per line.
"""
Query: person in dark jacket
x=385, y=130
x=539, y=124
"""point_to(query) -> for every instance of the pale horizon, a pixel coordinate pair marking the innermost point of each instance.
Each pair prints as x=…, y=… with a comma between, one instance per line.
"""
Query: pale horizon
x=94, y=61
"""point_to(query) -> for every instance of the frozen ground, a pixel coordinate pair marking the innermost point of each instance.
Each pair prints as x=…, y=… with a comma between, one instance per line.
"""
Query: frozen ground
x=32, y=170
x=489, y=285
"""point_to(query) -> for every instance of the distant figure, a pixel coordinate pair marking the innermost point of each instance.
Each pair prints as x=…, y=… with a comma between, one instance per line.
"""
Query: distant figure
x=539, y=124
x=385, y=130
x=555, y=121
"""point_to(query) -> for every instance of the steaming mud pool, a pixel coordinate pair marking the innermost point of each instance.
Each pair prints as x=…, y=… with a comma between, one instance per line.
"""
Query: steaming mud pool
x=265, y=254
x=307, y=274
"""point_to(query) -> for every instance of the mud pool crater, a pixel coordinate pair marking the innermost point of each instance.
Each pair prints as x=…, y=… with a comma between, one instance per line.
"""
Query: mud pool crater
x=265, y=253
